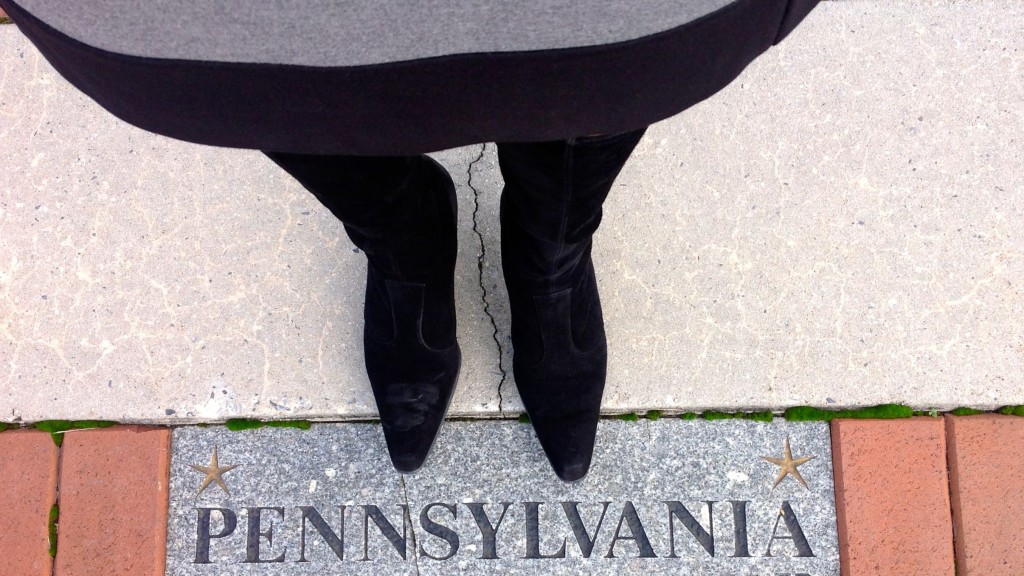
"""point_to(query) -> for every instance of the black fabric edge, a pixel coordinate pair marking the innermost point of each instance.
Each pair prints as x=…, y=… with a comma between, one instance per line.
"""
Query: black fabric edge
x=426, y=104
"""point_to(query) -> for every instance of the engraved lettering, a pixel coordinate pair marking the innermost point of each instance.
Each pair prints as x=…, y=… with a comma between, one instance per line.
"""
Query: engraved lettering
x=203, y=535
x=739, y=529
x=533, y=534
x=336, y=542
x=439, y=530
x=488, y=532
x=386, y=529
x=253, y=536
x=706, y=538
x=637, y=533
x=585, y=540
x=803, y=549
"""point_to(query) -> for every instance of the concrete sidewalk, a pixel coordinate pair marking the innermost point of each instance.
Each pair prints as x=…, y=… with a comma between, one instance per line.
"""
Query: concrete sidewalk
x=841, y=226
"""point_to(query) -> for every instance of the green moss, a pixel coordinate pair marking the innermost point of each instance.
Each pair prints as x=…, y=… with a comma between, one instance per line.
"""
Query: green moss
x=715, y=415
x=52, y=529
x=57, y=428
x=524, y=418
x=688, y=416
x=239, y=424
x=5, y=426
x=1012, y=410
x=759, y=416
x=965, y=411
x=4, y=20
x=933, y=413
x=653, y=415
x=631, y=417
x=809, y=413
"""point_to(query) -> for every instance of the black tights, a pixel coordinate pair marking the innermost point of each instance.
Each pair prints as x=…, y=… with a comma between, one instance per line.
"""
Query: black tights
x=553, y=193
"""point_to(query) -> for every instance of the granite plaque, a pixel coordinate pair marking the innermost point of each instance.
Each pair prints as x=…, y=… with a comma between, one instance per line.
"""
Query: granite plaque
x=666, y=497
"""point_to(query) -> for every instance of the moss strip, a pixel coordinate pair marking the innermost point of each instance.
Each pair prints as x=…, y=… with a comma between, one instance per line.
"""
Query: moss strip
x=51, y=528
x=239, y=424
x=885, y=411
x=1012, y=410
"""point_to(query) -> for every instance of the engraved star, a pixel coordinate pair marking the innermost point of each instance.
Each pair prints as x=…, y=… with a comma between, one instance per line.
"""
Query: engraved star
x=788, y=466
x=213, y=473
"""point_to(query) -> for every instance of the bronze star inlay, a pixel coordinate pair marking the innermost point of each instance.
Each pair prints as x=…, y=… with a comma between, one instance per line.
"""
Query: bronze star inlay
x=213, y=473
x=787, y=465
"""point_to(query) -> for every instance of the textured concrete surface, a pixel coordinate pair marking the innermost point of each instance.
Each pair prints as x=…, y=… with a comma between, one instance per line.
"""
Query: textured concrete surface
x=28, y=475
x=892, y=497
x=986, y=465
x=624, y=507
x=113, y=502
x=840, y=226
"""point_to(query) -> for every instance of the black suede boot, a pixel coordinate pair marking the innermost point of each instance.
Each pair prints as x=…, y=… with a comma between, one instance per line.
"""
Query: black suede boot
x=401, y=212
x=550, y=209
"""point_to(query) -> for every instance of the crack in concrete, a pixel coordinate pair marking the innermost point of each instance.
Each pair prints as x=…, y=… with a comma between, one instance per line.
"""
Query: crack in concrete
x=480, y=269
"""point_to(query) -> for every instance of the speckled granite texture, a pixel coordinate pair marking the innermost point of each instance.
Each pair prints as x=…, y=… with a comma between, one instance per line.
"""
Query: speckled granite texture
x=707, y=479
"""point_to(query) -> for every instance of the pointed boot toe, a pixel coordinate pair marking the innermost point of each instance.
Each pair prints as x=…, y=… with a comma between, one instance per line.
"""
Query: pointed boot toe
x=560, y=364
x=409, y=339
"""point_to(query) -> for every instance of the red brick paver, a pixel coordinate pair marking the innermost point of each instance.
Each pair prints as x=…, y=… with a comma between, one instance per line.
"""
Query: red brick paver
x=113, y=502
x=892, y=497
x=28, y=488
x=986, y=474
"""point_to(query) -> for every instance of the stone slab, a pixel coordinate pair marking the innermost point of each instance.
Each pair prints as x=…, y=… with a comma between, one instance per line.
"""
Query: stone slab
x=892, y=497
x=837, y=227
x=28, y=475
x=986, y=464
x=113, y=502
x=641, y=469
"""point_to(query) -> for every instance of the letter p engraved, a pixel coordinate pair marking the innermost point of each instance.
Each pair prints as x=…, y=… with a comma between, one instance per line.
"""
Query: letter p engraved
x=203, y=535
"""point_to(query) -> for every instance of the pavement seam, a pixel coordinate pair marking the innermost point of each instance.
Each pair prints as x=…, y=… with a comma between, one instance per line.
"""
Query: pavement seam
x=954, y=495
x=56, y=504
x=480, y=270
x=412, y=533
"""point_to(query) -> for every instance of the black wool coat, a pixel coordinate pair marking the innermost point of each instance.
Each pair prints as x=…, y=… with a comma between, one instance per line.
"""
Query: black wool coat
x=377, y=77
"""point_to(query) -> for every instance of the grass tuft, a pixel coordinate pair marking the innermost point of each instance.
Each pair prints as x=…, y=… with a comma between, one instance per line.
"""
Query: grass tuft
x=631, y=417
x=57, y=428
x=653, y=415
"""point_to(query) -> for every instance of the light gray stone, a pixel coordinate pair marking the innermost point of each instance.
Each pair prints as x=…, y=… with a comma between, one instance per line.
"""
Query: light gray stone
x=642, y=466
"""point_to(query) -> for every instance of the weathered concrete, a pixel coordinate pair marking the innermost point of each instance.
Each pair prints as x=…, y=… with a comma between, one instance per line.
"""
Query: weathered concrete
x=841, y=226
